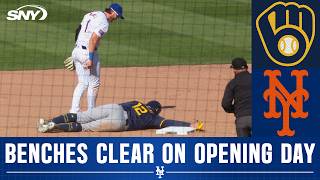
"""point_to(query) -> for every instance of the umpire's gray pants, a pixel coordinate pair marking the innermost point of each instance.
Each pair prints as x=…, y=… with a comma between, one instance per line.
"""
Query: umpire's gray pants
x=244, y=126
x=109, y=117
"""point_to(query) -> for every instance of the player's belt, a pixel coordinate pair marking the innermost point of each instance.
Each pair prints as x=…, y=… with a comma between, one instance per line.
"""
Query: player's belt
x=84, y=47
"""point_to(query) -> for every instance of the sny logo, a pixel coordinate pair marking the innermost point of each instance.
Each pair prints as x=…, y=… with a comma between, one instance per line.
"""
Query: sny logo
x=287, y=31
x=26, y=13
x=277, y=91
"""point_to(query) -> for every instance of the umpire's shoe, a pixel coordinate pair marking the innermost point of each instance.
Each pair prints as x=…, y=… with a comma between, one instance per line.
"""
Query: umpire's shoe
x=45, y=126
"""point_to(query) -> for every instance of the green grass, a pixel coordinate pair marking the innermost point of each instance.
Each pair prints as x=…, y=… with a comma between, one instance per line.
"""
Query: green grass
x=155, y=32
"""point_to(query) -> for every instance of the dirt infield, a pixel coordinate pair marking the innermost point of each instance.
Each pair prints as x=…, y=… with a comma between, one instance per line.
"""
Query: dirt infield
x=25, y=96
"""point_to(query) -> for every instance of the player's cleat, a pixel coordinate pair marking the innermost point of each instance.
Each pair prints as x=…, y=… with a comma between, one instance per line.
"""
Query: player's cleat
x=51, y=125
x=45, y=126
x=199, y=125
x=43, y=121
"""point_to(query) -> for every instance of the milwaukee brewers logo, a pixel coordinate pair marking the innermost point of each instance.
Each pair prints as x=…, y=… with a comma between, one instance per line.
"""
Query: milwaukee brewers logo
x=287, y=31
x=277, y=91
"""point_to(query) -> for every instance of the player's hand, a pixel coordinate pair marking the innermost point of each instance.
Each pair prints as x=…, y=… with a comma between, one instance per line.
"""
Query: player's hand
x=88, y=64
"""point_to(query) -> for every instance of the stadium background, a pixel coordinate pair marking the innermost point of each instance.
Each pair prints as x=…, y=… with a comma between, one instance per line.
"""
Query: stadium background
x=174, y=51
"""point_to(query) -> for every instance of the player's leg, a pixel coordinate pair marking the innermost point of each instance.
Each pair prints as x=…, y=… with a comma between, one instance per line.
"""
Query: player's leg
x=94, y=82
x=48, y=125
x=66, y=127
x=97, y=113
x=83, y=77
x=113, y=119
x=62, y=127
x=110, y=117
x=65, y=118
x=80, y=88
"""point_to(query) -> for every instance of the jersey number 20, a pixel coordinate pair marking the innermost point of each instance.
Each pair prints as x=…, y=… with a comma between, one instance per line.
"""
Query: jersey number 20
x=140, y=109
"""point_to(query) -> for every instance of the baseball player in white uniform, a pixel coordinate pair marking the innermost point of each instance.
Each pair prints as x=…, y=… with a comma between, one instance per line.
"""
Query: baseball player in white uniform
x=86, y=60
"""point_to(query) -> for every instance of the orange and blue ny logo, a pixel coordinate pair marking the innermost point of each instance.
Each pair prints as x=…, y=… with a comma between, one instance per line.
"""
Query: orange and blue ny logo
x=295, y=100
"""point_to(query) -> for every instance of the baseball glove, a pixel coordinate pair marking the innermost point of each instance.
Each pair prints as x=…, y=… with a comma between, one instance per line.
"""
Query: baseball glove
x=68, y=64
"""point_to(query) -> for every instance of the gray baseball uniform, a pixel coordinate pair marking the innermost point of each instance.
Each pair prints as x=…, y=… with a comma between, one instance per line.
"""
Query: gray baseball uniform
x=132, y=115
x=109, y=117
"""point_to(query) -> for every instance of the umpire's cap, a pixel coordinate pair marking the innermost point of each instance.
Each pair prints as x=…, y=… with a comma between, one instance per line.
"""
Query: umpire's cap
x=117, y=8
x=154, y=106
x=239, y=63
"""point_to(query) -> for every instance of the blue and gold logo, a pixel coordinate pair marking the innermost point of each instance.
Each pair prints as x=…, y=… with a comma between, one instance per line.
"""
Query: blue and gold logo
x=288, y=32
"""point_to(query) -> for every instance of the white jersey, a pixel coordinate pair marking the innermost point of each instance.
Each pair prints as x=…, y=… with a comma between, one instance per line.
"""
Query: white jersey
x=94, y=22
x=88, y=79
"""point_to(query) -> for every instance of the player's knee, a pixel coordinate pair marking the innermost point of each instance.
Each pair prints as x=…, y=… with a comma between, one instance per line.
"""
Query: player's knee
x=94, y=85
x=83, y=85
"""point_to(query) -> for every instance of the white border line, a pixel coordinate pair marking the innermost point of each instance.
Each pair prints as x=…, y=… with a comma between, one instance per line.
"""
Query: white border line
x=166, y=172
x=80, y=172
x=240, y=172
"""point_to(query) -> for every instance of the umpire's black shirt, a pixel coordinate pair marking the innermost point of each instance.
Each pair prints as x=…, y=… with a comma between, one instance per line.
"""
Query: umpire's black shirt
x=237, y=95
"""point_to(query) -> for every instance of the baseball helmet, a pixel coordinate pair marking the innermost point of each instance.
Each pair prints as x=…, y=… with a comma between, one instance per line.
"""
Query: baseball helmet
x=154, y=106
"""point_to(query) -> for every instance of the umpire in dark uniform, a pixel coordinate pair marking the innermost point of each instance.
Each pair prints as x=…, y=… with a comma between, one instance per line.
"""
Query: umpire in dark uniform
x=237, y=97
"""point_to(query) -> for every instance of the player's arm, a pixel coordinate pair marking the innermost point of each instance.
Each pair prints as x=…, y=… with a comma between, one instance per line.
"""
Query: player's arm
x=161, y=122
x=227, y=100
x=93, y=42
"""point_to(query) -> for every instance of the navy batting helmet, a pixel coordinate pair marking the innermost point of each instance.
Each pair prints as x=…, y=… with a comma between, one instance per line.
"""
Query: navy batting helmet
x=154, y=106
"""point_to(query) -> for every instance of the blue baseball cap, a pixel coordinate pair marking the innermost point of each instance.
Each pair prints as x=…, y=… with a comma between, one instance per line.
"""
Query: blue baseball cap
x=117, y=8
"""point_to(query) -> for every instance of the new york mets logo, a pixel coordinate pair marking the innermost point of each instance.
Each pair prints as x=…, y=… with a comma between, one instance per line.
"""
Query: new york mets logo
x=277, y=91
x=287, y=31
